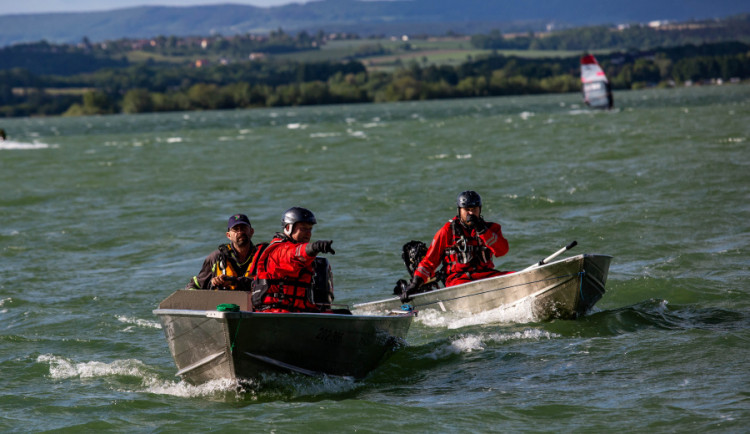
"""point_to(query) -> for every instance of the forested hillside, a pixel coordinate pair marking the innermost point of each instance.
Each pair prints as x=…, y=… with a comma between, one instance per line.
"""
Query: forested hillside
x=143, y=88
x=364, y=17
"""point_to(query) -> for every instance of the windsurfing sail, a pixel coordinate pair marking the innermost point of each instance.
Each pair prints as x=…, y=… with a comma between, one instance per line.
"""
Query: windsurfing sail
x=597, y=91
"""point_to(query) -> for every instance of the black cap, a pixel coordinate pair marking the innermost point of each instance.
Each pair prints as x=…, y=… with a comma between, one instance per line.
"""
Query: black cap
x=238, y=219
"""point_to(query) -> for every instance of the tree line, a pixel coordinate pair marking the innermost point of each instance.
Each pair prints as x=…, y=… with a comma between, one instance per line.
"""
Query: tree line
x=735, y=28
x=144, y=88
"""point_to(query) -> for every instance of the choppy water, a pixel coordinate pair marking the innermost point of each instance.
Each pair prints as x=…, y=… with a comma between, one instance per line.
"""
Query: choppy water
x=102, y=217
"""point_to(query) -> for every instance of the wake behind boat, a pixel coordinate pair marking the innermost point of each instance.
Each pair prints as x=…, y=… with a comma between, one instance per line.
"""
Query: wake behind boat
x=564, y=289
x=209, y=344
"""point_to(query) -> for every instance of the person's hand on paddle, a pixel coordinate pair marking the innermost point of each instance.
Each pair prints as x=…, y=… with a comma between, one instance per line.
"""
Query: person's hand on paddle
x=320, y=246
x=411, y=288
x=477, y=223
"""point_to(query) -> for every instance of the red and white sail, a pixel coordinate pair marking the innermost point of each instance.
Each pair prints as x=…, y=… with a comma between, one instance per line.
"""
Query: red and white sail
x=594, y=83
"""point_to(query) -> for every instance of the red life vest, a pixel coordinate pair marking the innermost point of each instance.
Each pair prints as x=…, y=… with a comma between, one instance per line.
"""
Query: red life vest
x=283, y=284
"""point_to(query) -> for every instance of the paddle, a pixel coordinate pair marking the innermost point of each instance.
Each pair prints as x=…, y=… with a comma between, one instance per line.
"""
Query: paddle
x=552, y=256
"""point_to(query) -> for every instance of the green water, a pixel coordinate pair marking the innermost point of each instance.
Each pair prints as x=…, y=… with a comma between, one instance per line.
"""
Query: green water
x=102, y=217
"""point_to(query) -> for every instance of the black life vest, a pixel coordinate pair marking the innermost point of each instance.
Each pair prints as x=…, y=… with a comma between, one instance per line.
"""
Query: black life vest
x=466, y=252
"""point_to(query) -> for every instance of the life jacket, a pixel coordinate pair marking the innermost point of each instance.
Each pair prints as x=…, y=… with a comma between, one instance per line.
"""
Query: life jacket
x=466, y=252
x=228, y=260
x=291, y=294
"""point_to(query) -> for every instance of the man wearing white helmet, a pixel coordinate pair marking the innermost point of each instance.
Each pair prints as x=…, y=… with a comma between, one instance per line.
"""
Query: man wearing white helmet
x=285, y=270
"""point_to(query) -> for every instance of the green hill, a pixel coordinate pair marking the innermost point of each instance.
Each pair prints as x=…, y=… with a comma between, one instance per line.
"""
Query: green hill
x=363, y=17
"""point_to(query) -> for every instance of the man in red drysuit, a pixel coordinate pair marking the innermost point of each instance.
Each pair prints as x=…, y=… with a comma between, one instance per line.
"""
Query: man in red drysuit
x=285, y=269
x=466, y=244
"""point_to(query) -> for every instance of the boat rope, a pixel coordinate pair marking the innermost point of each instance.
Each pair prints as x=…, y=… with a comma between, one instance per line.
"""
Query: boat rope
x=580, y=285
x=231, y=307
x=237, y=332
x=500, y=289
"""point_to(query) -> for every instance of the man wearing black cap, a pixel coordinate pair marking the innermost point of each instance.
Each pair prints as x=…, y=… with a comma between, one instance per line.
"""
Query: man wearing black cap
x=230, y=265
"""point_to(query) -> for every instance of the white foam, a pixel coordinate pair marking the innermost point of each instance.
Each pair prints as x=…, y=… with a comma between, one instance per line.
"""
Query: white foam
x=296, y=126
x=526, y=335
x=138, y=321
x=542, y=198
x=174, y=140
x=463, y=156
x=295, y=385
x=577, y=111
x=183, y=389
x=520, y=312
x=298, y=385
x=323, y=135
x=61, y=368
x=2, y=302
x=8, y=145
x=469, y=343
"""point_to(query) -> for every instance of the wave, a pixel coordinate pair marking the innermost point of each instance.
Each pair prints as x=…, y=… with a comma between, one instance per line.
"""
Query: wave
x=659, y=313
x=324, y=135
x=467, y=343
x=444, y=156
x=7, y=145
x=521, y=312
x=61, y=368
x=267, y=387
x=138, y=322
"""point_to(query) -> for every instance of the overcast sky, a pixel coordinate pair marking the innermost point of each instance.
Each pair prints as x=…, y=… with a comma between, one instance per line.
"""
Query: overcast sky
x=36, y=6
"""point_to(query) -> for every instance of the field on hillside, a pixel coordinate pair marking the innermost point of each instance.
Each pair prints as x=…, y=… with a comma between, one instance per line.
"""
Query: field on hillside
x=397, y=52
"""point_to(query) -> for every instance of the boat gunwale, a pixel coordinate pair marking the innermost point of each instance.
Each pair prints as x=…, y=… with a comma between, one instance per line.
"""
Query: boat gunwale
x=248, y=314
x=580, y=257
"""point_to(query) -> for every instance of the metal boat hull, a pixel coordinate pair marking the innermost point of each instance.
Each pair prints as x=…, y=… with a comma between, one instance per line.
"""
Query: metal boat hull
x=564, y=289
x=207, y=344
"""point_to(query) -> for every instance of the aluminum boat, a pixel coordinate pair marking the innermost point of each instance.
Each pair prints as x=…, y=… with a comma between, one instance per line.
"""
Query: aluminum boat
x=564, y=289
x=209, y=344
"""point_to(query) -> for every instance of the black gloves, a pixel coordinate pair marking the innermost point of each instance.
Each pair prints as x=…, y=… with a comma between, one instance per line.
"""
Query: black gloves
x=478, y=223
x=320, y=246
x=411, y=288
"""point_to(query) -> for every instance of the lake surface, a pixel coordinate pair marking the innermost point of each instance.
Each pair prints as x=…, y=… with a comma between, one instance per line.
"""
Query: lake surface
x=103, y=217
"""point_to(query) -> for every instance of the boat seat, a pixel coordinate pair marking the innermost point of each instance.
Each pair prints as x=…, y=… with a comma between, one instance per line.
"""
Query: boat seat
x=197, y=299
